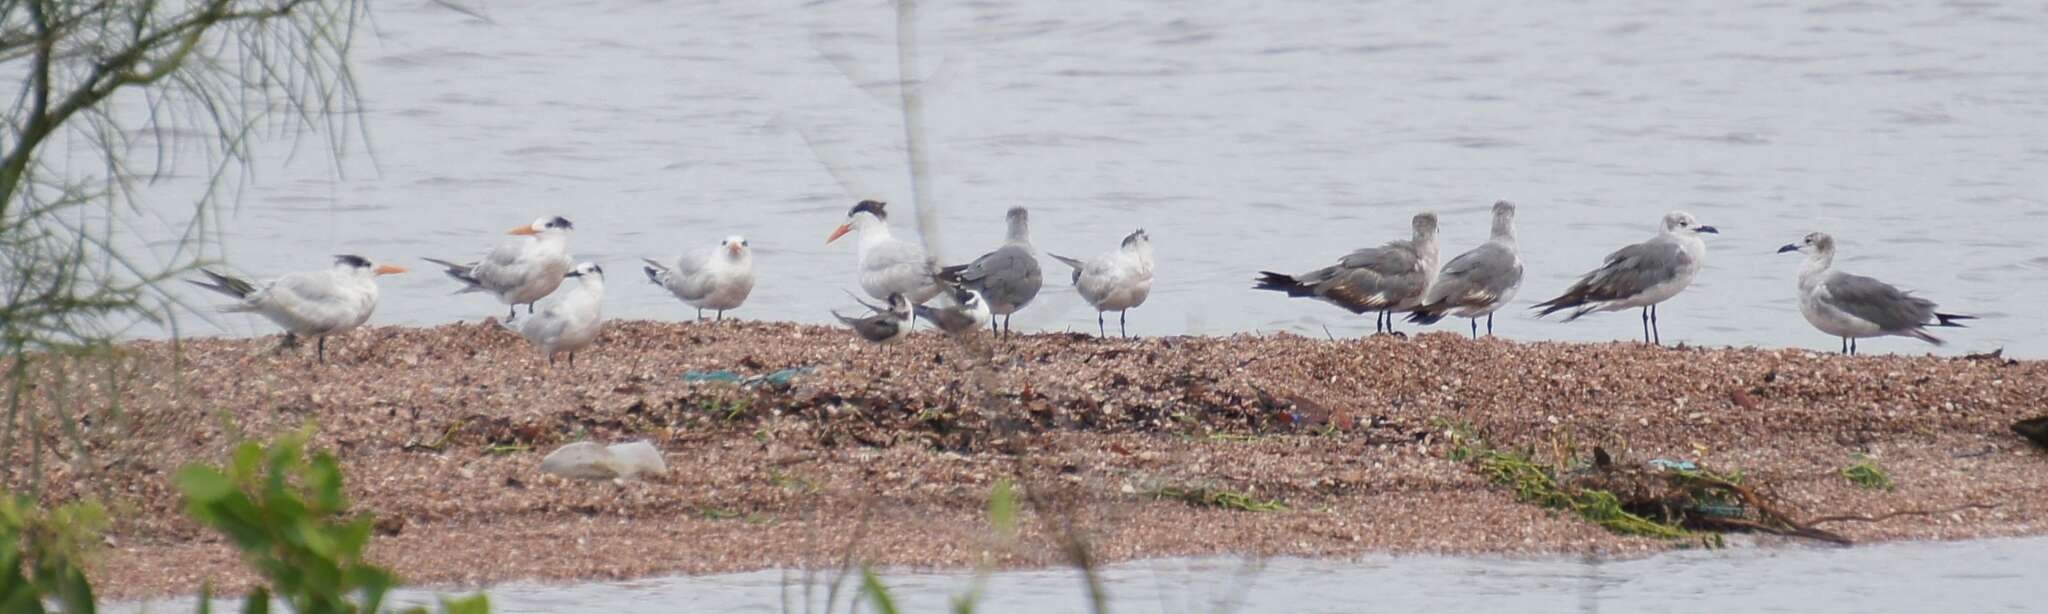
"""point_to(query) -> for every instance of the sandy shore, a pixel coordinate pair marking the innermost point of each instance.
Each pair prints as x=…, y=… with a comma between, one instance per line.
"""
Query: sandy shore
x=891, y=452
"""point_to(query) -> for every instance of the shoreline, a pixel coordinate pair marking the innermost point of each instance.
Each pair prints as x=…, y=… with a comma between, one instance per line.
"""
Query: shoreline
x=888, y=453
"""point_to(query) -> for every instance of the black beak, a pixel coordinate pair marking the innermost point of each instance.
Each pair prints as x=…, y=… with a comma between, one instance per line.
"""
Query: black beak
x=1708, y=229
x=573, y=274
x=1789, y=247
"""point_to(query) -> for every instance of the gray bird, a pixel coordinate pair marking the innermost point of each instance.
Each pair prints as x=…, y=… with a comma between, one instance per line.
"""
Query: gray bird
x=965, y=310
x=888, y=324
x=1853, y=306
x=1117, y=281
x=1389, y=278
x=1479, y=282
x=1007, y=278
x=1640, y=275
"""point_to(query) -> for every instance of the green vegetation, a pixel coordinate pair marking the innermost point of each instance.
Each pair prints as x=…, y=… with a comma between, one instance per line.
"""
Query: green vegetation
x=1537, y=484
x=42, y=554
x=1865, y=472
x=1209, y=496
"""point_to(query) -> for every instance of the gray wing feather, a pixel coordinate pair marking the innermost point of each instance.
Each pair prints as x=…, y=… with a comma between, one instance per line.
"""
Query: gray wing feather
x=1009, y=275
x=1369, y=279
x=1634, y=269
x=1478, y=276
x=1877, y=302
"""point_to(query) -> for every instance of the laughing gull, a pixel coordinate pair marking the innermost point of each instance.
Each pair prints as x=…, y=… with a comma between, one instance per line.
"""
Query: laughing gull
x=311, y=303
x=887, y=265
x=886, y=325
x=1118, y=280
x=965, y=311
x=521, y=270
x=1479, y=282
x=572, y=323
x=1640, y=275
x=1386, y=279
x=716, y=278
x=1854, y=306
x=1007, y=278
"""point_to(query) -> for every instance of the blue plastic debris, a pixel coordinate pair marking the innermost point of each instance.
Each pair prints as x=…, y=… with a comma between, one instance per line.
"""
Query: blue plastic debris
x=1674, y=465
x=780, y=378
x=713, y=376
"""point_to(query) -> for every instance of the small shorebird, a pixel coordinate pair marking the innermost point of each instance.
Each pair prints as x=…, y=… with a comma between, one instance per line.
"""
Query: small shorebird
x=521, y=270
x=886, y=325
x=1478, y=282
x=308, y=304
x=965, y=310
x=1389, y=278
x=1007, y=278
x=1118, y=280
x=1853, y=306
x=716, y=278
x=887, y=265
x=1640, y=275
x=571, y=324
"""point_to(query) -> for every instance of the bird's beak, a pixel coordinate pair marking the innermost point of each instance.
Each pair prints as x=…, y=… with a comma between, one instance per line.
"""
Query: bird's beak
x=735, y=248
x=523, y=230
x=839, y=232
x=388, y=269
x=1707, y=229
x=573, y=274
x=1789, y=247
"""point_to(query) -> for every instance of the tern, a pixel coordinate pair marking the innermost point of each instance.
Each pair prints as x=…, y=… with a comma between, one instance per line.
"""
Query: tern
x=521, y=270
x=886, y=325
x=572, y=323
x=716, y=278
x=887, y=265
x=1389, y=278
x=1118, y=280
x=1853, y=306
x=1479, y=282
x=1007, y=278
x=965, y=311
x=1640, y=275
x=308, y=304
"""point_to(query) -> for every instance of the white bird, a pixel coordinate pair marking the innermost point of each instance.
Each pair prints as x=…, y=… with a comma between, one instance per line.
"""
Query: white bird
x=521, y=270
x=308, y=304
x=1640, y=275
x=965, y=311
x=1118, y=280
x=1478, y=282
x=1853, y=306
x=1389, y=278
x=716, y=278
x=1009, y=277
x=572, y=323
x=886, y=325
x=887, y=265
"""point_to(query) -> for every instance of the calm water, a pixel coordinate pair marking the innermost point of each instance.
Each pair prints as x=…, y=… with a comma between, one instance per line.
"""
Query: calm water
x=1242, y=135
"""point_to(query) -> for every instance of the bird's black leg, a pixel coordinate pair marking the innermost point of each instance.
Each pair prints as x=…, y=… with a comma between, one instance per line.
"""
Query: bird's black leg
x=1646, y=324
x=529, y=308
x=1123, y=323
x=323, y=350
x=1006, y=324
x=1489, y=325
x=1845, y=346
x=1475, y=328
x=1852, y=346
x=992, y=328
x=572, y=360
x=1101, y=330
x=1657, y=334
x=721, y=315
x=511, y=312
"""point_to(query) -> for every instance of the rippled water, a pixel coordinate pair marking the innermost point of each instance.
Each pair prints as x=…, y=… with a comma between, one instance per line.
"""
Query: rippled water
x=1242, y=135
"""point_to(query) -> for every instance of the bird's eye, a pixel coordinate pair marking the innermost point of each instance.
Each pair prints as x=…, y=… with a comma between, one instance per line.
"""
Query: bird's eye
x=744, y=244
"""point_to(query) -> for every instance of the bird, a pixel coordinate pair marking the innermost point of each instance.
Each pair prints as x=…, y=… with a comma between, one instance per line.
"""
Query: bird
x=314, y=304
x=572, y=323
x=1389, y=278
x=1478, y=282
x=521, y=270
x=1117, y=280
x=887, y=265
x=1640, y=275
x=886, y=325
x=965, y=311
x=716, y=278
x=1853, y=306
x=1009, y=277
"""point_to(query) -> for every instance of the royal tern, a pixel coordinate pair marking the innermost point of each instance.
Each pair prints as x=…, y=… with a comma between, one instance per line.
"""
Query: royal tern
x=308, y=304
x=1854, y=306
x=572, y=323
x=520, y=270
x=1117, y=280
x=887, y=265
x=1389, y=278
x=1640, y=275
x=1478, y=282
x=965, y=310
x=1007, y=278
x=716, y=278
x=886, y=324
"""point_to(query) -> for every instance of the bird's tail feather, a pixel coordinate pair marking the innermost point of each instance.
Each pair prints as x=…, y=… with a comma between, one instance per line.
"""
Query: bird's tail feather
x=460, y=272
x=1427, y=314
x=655, y=271
x=1281, y=282
x=224, y=284
x=1949, y=319
x=1923, y=336
x=1077, y=264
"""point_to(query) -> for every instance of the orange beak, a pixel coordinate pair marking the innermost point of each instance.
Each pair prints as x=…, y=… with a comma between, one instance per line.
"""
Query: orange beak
x=523, y=230
x=389, y=269
x=839, y=232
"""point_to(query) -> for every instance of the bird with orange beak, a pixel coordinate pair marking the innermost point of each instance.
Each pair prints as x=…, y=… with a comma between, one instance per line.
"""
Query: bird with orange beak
x=716, y=277
x=313, y=304
x=887, y=265
x=520, y=270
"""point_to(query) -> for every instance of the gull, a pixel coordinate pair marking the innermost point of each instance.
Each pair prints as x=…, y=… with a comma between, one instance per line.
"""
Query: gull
x=1117, y=280
x=521, y=270
x=886, y=325
x=887, y=265
x=1853, y=306
x=311, y=303
x=1640, y=275
x=717, y=278
x=572, y=323
x=1007, y=278
x=965, y=311
x=1386, y=279
x=1478, y=282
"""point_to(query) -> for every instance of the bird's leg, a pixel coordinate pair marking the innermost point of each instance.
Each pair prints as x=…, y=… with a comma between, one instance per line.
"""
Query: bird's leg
x=529, y=308
x=1123, y=323
x=323, y=350
x=1489, y=325
x=551, y=360
x=1657, y=335
x=1845, y=346
x=1101, y=330
x=1646, y=324
x=572, y=360
x=511, y=312
x=1475, y=328
x=721, y=315
x=1852, y=346
x=1006, y=324
x=992, y=328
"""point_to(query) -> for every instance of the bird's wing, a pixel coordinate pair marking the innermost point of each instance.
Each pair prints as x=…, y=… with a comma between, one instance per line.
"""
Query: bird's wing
x=1008, y=275
x=508, y=266
x=1632, y=270
x=1879, y=303
x=1478, y=276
